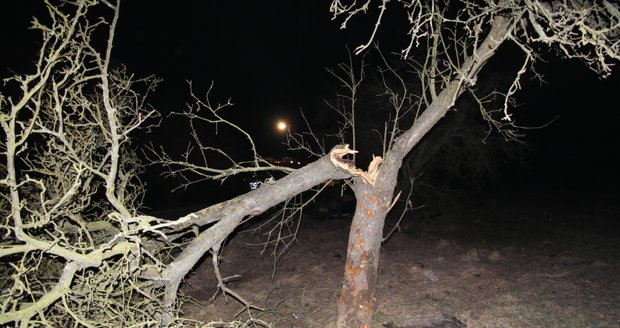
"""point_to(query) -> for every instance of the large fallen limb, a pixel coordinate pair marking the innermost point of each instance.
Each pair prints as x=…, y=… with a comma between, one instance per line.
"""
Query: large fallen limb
x=229, y=214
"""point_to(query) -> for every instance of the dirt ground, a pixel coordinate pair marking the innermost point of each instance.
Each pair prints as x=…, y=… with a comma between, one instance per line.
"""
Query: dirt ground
x=531, y=259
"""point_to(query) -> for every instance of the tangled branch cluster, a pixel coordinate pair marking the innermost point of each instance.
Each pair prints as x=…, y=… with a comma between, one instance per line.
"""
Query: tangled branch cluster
x=73, y=242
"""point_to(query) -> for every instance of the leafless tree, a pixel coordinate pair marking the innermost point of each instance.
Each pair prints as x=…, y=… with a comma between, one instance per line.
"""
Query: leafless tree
x=455, y=39
x=75, y=246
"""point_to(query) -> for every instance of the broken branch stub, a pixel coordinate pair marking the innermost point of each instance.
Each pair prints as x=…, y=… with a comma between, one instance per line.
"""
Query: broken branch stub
x=337, y=158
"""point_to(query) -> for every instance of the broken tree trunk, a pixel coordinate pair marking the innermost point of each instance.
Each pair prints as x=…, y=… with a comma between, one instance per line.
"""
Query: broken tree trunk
x=374, y=197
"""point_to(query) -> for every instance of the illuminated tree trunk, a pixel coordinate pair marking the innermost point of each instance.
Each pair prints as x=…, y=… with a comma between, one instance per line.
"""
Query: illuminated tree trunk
x=374, y=196
x=356, y=303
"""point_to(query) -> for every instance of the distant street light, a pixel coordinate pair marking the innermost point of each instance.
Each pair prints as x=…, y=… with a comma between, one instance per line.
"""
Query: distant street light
x=281, y=126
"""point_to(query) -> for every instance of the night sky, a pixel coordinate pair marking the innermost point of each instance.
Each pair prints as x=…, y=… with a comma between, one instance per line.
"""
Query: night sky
x=270, y=59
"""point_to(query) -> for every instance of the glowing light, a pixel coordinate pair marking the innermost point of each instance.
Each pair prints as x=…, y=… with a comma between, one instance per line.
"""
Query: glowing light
x=282, y=126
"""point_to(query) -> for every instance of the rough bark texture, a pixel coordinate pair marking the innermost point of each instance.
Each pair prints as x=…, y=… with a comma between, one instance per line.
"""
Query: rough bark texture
x=357, y=295
x=356, y=303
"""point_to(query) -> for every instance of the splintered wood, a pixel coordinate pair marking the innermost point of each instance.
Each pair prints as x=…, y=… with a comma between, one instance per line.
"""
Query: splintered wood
x=337, y=158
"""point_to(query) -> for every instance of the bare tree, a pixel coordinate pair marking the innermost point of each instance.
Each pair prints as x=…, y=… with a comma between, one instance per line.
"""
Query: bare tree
x=79, y=250
x=457, y=39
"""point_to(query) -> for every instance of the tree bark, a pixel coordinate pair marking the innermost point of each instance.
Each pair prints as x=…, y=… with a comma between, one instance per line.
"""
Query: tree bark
x=356, y=302
x=227, y=216
x=357, y=296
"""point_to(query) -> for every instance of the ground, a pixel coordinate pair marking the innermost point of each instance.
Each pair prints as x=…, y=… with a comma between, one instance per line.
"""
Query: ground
x=525, y=259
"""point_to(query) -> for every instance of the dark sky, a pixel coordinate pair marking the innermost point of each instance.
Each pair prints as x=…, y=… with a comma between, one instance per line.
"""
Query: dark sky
x=270, y=59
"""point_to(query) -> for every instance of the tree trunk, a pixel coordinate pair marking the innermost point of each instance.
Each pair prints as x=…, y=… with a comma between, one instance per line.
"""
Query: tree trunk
x=357, y=302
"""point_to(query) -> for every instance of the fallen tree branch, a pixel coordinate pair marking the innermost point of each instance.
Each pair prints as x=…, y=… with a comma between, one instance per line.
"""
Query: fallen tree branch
x=227, y=216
